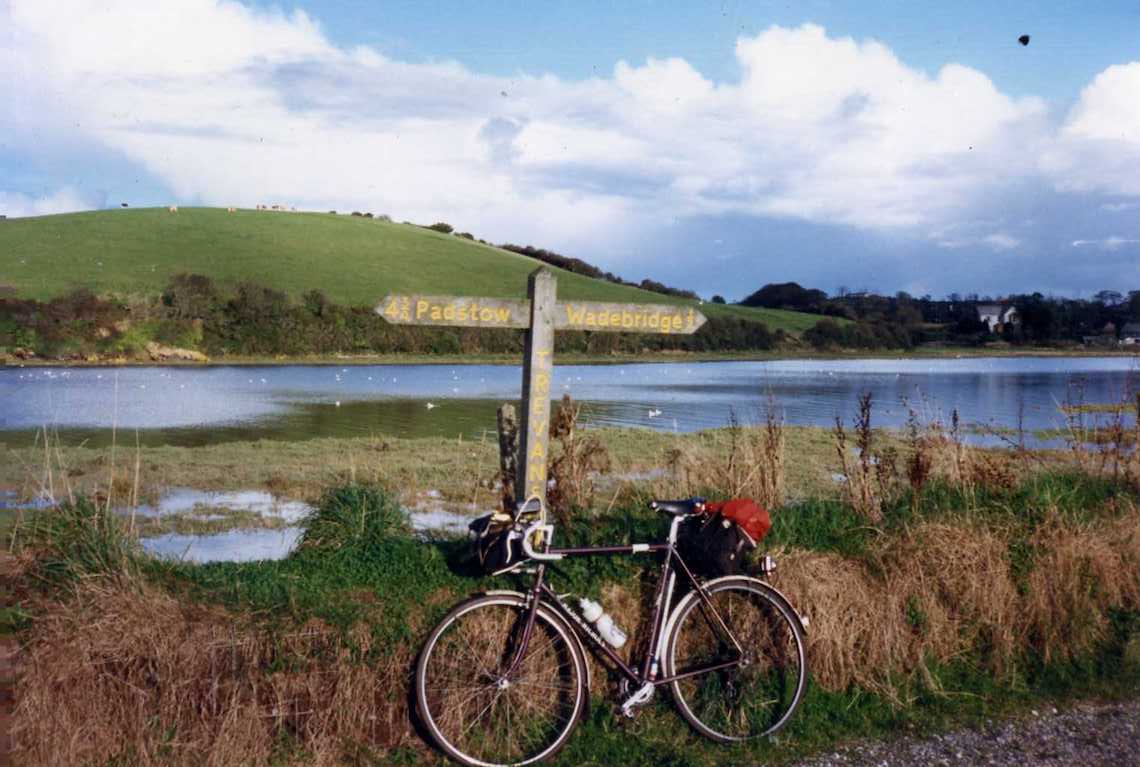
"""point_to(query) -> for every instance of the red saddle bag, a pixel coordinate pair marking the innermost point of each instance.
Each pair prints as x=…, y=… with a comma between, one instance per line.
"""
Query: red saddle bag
x=745, y=512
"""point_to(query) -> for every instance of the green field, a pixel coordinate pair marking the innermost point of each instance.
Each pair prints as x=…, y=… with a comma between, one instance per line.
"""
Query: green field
x=353, y=260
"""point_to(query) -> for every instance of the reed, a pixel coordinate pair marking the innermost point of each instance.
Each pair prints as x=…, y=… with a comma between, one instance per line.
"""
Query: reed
x=576, y=463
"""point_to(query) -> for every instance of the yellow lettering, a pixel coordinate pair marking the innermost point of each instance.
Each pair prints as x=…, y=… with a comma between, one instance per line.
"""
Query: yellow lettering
x=615, y=319
x=421, y=308
x=603, y=319
x=436, y=313
x=574, y=317
x=677, y=322
x=462, y=316
x=627, y=319
x=590, y=319
x=654, y=321
x=503, y=315
x=486, y=314
x=449, y=312
x=393, y=309
x=640, y=321
x=537, y=450
x=692, y=318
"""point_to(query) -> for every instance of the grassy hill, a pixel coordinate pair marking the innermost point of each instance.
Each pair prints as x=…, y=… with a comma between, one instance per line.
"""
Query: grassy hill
x=353, y=260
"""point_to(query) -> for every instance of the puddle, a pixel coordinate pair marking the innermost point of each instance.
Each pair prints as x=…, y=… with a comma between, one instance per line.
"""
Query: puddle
x=439, y=521
x=230, y=546
x=10, y=501
x=181, y=500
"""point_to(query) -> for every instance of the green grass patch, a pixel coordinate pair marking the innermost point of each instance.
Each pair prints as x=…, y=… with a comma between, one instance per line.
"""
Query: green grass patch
x=355, y=261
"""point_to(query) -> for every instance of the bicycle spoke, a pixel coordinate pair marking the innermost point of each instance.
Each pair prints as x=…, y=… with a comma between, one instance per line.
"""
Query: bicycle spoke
x=483, y=716
x=743, y=700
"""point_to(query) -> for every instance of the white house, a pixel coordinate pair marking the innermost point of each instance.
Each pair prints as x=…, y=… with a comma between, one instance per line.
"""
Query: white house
x=1130, y=334
x=996, y=316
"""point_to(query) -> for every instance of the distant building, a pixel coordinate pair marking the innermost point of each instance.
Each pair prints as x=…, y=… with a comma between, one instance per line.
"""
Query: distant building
x=1130, y=334
x=997, y=317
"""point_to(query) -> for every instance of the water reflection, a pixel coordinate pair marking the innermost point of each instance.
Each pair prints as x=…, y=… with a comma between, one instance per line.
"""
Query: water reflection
x=230, y=546
x=198, y=406
x=182, y=500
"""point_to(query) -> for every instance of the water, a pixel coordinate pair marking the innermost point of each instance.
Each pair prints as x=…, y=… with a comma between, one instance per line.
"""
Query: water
x=197, y=406
x=182, y=500
x=236, y=545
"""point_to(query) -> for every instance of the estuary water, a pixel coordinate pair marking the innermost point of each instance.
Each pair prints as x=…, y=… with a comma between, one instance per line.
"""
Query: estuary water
x=204, y=405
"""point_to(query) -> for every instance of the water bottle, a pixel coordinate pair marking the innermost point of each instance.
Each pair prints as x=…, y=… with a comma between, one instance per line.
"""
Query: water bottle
x=607, y=629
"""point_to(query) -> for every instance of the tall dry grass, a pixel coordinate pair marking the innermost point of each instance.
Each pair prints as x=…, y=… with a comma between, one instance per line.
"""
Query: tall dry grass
x=138, y=676
x=1082, y=570
x=870, y=478
x=574, y=467
x=751, y=465
x=945, y=591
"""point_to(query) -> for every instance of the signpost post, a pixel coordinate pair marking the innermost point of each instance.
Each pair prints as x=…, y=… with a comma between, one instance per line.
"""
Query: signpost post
x=541, y=314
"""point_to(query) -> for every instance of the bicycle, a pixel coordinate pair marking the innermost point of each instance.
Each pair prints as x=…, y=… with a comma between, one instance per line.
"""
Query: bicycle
x=503, y=678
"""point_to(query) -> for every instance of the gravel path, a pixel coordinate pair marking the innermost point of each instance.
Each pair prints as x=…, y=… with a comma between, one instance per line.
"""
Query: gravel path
x=1086, y=735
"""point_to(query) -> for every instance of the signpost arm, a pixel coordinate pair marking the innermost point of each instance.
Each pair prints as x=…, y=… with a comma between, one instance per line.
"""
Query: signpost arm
x=534, y=447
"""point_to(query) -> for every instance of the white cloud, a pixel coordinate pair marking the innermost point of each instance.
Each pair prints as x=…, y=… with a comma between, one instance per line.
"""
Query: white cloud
x=1001, y=241
x=66, y=200
x=228, y=104
x=1098, y=147
x=1106, y=243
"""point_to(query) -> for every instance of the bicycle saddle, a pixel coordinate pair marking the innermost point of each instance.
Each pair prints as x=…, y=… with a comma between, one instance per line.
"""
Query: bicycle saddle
x=687, y=506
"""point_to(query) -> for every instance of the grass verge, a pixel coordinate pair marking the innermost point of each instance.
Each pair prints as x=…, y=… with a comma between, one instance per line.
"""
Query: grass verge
x=958, y=606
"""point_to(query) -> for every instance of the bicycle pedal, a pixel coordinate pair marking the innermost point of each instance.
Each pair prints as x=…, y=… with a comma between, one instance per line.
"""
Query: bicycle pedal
x=637, y=700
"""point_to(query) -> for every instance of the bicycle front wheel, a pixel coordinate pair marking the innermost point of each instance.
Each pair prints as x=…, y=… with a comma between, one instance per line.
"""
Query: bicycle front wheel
x=762, y=674
x=477, y=712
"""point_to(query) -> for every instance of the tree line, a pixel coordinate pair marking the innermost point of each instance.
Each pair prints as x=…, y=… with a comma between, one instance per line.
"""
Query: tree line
x=253, y=320
x=903, y=320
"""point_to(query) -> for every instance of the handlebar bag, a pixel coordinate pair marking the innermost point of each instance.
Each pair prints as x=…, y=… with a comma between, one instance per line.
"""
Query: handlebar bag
x=495, y=543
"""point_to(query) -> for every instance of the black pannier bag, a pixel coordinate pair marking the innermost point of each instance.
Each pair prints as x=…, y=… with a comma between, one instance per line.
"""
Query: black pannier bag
x=497, y=546
x=713, y=545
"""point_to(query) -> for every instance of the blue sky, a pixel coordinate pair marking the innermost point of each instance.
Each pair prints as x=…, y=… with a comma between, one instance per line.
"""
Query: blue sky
x=1071, y=42
x=718, y=146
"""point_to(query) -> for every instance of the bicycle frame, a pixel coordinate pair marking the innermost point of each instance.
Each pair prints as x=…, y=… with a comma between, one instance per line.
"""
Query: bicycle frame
x=540, y=593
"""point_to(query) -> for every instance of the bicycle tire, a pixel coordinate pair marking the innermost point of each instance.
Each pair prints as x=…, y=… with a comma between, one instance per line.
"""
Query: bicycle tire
x=473, y=644
x=746, y=702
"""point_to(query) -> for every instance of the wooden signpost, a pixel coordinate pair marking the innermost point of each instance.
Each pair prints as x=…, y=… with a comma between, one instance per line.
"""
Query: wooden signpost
x=541, y=314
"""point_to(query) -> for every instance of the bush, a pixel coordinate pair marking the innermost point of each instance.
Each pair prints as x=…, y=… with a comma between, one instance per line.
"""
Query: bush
x=79, y=540
x=190, y=296
x=352, y=517
x=440, y=226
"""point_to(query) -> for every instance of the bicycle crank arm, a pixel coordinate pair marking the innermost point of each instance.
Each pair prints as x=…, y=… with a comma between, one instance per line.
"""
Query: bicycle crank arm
x=637, y=700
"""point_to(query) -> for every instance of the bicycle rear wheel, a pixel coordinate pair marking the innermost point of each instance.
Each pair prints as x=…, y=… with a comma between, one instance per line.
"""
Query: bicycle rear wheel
x=476, y=712
x=755, y=697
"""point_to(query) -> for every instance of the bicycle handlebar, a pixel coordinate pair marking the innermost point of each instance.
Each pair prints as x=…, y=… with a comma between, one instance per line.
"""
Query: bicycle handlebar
x=528, y=549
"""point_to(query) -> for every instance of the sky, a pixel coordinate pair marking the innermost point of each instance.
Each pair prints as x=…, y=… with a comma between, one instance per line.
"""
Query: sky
x=713, y=146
